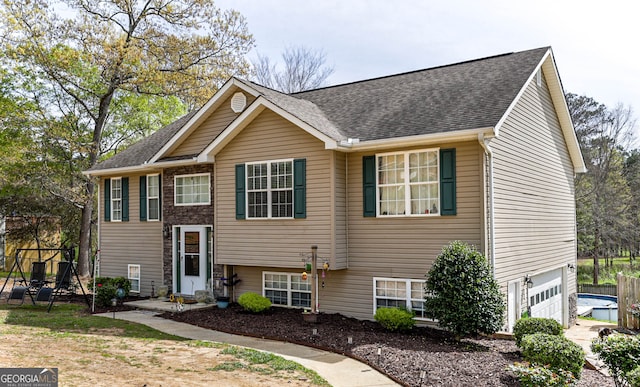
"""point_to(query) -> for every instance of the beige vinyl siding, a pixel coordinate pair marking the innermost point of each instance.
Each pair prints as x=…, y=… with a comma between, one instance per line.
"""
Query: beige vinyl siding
x=204, y=134
x=132, y=242
x=533, y=191
x=340, y=232
x=275, y=242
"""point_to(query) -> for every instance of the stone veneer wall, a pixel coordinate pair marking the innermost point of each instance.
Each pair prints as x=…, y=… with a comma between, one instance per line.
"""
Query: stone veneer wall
x=184, y=215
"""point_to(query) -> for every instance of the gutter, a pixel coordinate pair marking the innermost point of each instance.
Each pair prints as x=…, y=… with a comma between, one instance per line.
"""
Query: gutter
x=491, y=229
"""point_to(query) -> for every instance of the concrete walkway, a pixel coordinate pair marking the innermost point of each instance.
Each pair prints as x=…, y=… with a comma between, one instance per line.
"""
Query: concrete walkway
x=338, y=370
x=583, y=334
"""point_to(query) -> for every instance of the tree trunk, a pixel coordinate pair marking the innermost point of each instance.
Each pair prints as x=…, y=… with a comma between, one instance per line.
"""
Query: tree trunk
x=85, y=233
x=596, y=263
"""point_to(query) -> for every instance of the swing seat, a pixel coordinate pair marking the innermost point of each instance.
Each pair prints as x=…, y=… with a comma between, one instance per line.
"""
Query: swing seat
x=44, y=295
x=17, y=294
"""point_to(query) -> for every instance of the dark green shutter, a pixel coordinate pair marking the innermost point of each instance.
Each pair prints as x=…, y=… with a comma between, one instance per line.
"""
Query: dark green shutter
x=107, y=200
x=143, y=198
x=300, y=188
x=240, y=192
x=160, y=197
x=448, y=181
x=369, y=185
x=125, y=199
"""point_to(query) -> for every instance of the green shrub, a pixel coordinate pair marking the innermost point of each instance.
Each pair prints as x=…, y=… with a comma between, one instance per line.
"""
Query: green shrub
x=462, y=294
x=534, y=375
x=527, y=326
x=633, y=377
x=253, y=302
x=395, y=319
x=620, y=353
x=558, y=352
x=106, y=288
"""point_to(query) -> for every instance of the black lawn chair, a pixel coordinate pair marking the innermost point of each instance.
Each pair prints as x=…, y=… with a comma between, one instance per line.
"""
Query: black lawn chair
x=37, y=281
x=63, y=283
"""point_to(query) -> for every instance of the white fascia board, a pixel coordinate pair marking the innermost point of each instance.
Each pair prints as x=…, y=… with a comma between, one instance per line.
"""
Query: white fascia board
x=548, y=67
x=202, y=114
x=116, y=171
x=425, y=139
x=560, y=102
x=244, y=119
x=146, y=167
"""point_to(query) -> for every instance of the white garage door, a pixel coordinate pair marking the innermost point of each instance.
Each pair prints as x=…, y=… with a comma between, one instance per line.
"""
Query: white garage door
x=545, y=296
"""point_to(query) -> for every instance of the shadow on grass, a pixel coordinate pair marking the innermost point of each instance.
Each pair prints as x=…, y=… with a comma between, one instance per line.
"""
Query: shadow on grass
x=73, y=318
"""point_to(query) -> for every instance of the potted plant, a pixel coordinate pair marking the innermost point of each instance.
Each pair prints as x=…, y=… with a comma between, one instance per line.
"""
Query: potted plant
x=222, y=302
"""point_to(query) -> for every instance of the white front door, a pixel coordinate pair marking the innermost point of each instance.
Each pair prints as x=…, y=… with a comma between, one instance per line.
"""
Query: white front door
x=193, y=260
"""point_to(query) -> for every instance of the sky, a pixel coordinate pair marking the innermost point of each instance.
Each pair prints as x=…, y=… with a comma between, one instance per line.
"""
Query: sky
x=596, y=44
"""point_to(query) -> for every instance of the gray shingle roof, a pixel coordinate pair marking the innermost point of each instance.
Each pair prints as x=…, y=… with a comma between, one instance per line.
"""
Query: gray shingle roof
x=466, y=95
x=143, y=150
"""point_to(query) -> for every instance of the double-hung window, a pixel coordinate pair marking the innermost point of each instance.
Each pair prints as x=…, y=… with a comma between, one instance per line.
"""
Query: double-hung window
x=153, y=197
x=134, y=277
x=408, y=183
x=399, y=293
x=116, y=199
x=192, y=189
x=270, y=189
x=287, y=289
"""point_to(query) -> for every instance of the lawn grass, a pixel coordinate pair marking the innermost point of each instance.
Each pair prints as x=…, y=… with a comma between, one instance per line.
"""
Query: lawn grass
x=607, y=275
x=75, y=318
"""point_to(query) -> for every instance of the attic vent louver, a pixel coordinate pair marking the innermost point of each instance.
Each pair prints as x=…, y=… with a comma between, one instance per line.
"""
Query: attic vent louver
x=238, y=102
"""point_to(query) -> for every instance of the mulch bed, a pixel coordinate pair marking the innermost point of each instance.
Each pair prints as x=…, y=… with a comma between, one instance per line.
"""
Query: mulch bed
x=403, y=357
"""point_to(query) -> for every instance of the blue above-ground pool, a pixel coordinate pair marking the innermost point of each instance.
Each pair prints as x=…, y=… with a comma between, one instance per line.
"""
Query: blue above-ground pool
x=598, y=306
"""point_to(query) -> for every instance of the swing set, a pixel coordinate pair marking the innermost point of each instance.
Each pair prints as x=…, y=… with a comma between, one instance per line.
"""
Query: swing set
x=38, y=287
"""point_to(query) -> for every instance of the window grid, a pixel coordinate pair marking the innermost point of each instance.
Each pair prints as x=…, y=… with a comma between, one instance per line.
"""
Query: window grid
x=153, y=197
x=134, y=277
x=287, y=289
x=116, y=199
x=192, y=189
x=408, y=183
x=400, y=293
x=270, y=189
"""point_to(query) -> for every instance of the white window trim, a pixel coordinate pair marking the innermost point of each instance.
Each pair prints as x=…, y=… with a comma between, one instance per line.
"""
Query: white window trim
x=112, y=200
x=407, y=184
x=149, y=197
x=288, y=290
x=129, y=267
x=175, y=191
x=408, y=299
x=269, y=190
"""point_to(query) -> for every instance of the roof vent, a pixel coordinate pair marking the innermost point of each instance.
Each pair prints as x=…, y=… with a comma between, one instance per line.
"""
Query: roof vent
x=238, y=102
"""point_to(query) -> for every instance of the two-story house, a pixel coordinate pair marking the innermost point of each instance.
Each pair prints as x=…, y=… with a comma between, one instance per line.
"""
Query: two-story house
x=378, y=174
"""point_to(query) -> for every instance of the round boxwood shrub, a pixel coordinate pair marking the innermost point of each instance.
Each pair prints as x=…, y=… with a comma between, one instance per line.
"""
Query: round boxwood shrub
x=527, y=326
x=395, y=319
x=620, y=353
x=462, y=294
x=106, y=288
x=558, y=352
x=534, y=375
x=253, y=302
x=633, y=377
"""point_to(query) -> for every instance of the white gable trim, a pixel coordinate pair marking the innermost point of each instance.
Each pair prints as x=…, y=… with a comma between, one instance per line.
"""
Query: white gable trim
x=547, y=65
x=214, y=103
x=244, y=119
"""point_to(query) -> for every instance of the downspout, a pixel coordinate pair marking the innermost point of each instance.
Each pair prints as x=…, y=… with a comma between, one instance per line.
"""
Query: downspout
x=491, y=229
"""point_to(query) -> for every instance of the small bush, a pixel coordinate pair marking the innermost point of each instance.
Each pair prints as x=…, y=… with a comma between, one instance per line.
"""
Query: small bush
x=527, y=326
x=558, y=352
x=633, y=377
x=253, y=302
x=395, y=319
x=620, y=353
x=106, y=288
x=461, y=293
x=533, y=376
